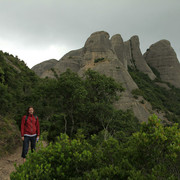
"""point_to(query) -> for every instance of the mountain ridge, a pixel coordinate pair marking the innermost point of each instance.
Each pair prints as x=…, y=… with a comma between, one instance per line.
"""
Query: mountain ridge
x=112, y=57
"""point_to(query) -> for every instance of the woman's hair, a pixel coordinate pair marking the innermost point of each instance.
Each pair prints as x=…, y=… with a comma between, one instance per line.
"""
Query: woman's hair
x=27, y=111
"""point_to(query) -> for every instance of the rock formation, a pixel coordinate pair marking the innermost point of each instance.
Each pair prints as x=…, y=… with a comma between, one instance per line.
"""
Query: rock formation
x=112, y=58
x=107, y=56
x=163, y=58
x=42, y=68
x=137, y=58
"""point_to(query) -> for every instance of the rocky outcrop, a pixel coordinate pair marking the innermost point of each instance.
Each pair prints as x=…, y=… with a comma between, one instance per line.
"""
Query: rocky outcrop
x=119, y=49
x=44, y=67
x=71, y=60
x=112, y=58
x=99, y=46
x=129, y=54
x=163, y=58
x=135, y=58
x=112, y=63
x=98, y=42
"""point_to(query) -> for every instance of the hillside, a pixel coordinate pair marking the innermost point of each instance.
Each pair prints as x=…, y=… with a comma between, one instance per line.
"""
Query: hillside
x=16, y=80
x=113, y=57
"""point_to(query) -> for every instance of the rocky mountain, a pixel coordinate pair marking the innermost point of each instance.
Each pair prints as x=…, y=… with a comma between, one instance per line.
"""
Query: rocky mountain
x=112, y=57
x=44, y=66
x=162, y=57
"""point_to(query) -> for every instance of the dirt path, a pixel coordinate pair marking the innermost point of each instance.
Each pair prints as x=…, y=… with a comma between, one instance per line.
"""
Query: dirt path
x=7, y=163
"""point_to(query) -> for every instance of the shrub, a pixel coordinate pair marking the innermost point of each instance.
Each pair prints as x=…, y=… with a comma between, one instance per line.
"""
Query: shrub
x=150, y=153
x=98, y=60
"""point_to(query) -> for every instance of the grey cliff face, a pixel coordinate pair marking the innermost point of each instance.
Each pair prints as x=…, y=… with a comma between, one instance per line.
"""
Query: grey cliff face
x=97, y=46
x=162, y=57
x=112, y=58
x=118, y=47
x=41, y=68
x=71, y=60
x=137, y=60
x=98, y=42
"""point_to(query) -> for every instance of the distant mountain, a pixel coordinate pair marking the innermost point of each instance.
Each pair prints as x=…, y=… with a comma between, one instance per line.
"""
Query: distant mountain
x=113, y=57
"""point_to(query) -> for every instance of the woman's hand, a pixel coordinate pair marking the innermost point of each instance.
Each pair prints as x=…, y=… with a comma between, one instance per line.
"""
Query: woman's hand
x=37, y=139
x=22, y=138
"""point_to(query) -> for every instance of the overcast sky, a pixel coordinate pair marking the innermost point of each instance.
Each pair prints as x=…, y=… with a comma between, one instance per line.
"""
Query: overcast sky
x=38, y=30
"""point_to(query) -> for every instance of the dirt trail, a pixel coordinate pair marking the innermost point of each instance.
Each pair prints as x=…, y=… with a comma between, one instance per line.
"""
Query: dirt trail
x=7, y=163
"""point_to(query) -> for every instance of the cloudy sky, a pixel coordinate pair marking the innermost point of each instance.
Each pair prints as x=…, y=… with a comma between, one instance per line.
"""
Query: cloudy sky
x=38, y=30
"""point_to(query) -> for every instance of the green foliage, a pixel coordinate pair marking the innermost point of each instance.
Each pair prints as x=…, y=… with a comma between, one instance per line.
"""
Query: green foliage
x=9, y=136
x=159, y=97
x=150, y=153
x=98, y=60
x=55, y=73
x=1, y=76
x=16, y=81
x=101, y=87
x=64, y=104
x=155, y=71
x=154, y=150
x=83, y=103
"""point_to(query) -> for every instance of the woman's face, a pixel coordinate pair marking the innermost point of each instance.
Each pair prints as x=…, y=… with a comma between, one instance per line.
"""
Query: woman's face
x=31, y=110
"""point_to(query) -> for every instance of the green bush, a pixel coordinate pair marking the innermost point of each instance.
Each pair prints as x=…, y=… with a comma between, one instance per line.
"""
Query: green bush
x=9, y=135
x=150, y=153
x=98, y=60
x=159, y=97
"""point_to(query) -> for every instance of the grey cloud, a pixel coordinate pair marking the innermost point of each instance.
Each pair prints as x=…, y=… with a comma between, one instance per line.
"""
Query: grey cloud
x=36, y=24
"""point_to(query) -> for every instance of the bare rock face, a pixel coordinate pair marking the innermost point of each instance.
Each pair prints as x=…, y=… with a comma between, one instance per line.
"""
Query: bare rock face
x=112, y=58
x=128, y=54
x=137, y=60
x=118, y=47
x=98, y=42
x=109, y=63
x=71, y=60
x=97, y=46
x=116, y=70
x=162, y=57
x=42, y=68
x=112, y=63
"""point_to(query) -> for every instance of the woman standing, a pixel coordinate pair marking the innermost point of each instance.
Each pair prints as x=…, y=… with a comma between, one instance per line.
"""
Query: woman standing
x=30, y=131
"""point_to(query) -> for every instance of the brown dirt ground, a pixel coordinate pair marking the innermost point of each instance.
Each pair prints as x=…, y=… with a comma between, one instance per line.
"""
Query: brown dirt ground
x=7, y=163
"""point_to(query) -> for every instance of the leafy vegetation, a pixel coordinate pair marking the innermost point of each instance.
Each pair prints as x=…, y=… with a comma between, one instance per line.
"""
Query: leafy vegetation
x=98, y=60
x=9, y=135
x=64, y=104
x=16, y=82
x=83, y=103
x=159, y=97
x=150, y=153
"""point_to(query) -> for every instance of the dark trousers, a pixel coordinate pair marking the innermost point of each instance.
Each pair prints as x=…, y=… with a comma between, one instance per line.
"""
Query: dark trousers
x=26, y=145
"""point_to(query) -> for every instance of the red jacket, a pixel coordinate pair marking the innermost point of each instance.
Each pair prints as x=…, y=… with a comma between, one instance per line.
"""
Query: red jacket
x=31, y=126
